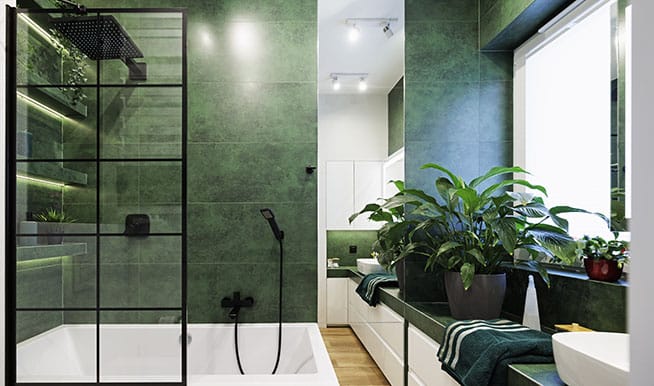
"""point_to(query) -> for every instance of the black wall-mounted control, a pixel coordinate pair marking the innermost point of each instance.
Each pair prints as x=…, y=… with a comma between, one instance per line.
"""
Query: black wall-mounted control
x=353, y=249
x=137, y=225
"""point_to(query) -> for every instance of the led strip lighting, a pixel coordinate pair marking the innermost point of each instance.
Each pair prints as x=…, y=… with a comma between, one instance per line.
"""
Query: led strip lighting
x=40, y=105
x=44, y=34
x=41, y=181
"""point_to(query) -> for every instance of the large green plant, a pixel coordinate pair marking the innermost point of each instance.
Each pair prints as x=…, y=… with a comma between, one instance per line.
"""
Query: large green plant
x=473, y=227
x=396, y=212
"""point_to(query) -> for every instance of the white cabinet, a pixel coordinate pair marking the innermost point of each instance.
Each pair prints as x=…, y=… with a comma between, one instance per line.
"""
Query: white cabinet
x=424, y=367
x=337, y=293
x=349, y=186
x=381, y=331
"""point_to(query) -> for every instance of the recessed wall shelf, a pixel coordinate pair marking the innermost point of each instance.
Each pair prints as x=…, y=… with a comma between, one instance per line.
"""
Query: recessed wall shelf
x=33, y=252
x=52, y=97
x=51, y=172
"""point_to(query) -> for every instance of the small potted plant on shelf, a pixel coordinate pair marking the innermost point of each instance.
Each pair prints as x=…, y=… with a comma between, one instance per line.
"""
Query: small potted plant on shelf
x=603, y=260
x=54, y=220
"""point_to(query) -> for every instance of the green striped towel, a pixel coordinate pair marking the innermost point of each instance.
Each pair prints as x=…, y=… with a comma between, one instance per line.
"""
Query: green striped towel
x=479, y=352
x=367, y=289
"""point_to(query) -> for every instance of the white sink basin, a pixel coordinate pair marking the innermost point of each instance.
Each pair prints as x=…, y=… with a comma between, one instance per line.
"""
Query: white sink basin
x=592, y=358
x=367, y=266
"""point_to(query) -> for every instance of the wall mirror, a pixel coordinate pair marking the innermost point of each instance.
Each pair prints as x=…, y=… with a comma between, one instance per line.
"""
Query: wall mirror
x=360, y=105
x=360, y=128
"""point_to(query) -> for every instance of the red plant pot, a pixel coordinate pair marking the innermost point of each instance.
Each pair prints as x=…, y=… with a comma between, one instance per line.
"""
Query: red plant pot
x=602, y=270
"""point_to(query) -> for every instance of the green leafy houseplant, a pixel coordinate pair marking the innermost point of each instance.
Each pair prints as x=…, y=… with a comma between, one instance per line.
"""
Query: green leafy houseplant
x=393, y=243
x=483, y=225
x=603, y=260
x=597, y=248
x=473, y=227
x=469, y=228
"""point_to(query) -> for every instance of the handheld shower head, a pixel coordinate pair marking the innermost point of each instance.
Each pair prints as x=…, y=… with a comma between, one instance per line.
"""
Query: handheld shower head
x=268, y=215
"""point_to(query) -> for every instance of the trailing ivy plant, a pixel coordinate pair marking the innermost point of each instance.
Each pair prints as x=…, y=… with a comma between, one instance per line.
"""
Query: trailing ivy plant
x=74, y=67
x=73, y=63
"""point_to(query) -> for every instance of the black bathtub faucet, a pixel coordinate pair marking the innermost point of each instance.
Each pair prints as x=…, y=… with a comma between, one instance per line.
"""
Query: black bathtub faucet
x=235, y=303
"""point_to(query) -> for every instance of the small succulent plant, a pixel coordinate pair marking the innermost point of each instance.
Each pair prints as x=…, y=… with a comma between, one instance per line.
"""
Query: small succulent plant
x=53, y=215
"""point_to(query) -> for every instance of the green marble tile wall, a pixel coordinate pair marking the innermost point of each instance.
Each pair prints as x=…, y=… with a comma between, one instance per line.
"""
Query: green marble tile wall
x=458, y=104
x=596, y=305
x=396, y=117
x=339, y=242
x=38, y=285
x=252, y=130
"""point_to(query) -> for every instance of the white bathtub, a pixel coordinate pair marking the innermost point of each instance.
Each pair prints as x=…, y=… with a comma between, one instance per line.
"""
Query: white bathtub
x=151, y=353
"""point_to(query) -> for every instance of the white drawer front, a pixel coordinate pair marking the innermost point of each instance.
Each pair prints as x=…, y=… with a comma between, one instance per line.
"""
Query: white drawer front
x=390, y=329
x=423, y=361
x=414, y=380
x=337, y=304
x=393, y=368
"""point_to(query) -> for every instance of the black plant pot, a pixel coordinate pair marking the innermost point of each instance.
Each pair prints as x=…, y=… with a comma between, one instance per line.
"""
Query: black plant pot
x=483, y=300
x=399, y=272
x=55, y=239
x=54, y=231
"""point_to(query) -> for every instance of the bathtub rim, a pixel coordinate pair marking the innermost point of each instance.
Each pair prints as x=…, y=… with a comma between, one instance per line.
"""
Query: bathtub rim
x=324, y=368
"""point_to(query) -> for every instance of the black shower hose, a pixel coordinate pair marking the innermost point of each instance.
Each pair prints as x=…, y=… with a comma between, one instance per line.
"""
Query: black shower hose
x=279, y=335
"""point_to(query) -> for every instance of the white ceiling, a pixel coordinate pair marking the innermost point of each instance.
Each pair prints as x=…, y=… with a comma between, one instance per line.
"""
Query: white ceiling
x=372, y=53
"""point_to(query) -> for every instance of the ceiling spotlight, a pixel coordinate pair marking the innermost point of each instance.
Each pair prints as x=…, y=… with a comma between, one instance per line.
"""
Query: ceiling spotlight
x=336, y=85
x=363, y=86
x=387, y=30
x=354, y=33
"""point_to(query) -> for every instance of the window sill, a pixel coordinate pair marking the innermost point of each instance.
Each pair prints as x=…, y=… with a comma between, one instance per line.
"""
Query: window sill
x=577, y=273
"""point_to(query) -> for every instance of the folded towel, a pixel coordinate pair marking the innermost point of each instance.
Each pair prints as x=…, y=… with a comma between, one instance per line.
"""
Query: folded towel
x=479, y=352
x=367, y=289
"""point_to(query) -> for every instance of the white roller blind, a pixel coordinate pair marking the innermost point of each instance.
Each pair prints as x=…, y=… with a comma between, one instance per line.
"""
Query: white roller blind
x=568, y=119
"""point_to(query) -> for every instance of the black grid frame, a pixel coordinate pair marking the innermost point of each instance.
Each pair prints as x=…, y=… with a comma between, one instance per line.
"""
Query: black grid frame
x=10, y=197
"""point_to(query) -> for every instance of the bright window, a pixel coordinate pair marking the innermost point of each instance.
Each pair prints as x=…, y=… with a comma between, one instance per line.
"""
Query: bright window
x=563, y=123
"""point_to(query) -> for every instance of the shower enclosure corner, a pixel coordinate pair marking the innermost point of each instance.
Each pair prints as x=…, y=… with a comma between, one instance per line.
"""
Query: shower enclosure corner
x=96, y=196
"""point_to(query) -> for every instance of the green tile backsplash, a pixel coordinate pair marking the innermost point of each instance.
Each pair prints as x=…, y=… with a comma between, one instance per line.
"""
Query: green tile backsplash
x=338, y=245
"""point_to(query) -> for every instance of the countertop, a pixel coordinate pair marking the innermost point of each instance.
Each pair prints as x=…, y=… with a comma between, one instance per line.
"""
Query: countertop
x=431, y=318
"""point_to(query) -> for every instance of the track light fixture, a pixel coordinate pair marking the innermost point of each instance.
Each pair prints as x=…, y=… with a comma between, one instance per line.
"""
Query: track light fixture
x=336, y=85
x=354, y=33
x=387, y=30
x=384, y=22
x=336, y=78
x=363, y=86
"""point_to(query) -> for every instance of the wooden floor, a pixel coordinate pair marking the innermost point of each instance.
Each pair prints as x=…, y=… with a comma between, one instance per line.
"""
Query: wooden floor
x=352, y=363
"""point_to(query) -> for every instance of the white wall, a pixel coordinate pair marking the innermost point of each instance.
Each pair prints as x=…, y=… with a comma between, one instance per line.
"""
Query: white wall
x=350, y=127
x=3, y=3
x=641, y=307
x=353, y=127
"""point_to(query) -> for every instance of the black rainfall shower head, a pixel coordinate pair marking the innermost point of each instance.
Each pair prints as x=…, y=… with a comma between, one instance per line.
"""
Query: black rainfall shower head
x=268, y=215
x=98, y=37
